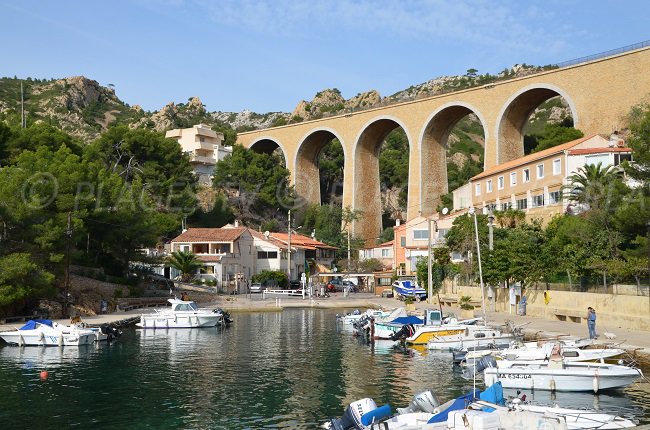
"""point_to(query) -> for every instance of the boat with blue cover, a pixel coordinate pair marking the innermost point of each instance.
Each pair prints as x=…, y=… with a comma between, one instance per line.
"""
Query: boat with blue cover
x=408, y=288
x=42, y=332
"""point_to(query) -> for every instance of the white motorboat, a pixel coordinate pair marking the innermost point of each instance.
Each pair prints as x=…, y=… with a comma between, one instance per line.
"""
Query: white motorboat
x=548, y=350
x=408, y=288
x=472, y=337
x=476, y=410
x=423, y=334
x=577, y=418
x=560, y=375
x=355, y=316
x=48, y=333
x=532, y=351
x=182, y=314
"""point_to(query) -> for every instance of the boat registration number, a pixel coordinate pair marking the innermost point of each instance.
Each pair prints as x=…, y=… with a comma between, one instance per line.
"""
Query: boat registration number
x=513, y=376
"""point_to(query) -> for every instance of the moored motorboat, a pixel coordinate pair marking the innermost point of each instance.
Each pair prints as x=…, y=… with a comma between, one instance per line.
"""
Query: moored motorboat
x=560, y=375
x=472, y=337
x=408, y=288
x=48, y=333
x=182, y=314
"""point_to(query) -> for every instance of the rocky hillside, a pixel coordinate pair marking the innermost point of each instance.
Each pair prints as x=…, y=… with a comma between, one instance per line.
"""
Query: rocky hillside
x=84, y=108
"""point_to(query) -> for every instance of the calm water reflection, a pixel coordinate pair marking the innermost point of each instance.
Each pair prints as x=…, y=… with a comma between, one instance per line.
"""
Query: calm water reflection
x=269, y=370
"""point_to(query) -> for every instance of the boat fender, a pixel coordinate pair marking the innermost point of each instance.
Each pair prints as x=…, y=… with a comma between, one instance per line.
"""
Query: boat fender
x=21, y=341
x=553, y=387
x=378, y=414
x=60, y=341
x=44, y=374
x=596, y=382
x=41, y=338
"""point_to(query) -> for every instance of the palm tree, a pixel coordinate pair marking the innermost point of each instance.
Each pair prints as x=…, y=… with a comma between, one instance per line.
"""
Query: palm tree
x=594, y=185
x=185, y=262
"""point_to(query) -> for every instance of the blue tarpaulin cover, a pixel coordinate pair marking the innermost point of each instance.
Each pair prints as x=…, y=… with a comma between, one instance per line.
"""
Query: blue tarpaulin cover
x=408, y=320
x=493, y=394
x=459, y=403
x=31, y=324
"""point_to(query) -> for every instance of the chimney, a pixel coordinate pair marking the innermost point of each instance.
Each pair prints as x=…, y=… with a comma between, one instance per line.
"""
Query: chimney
x=236, y=223
x=397, y=222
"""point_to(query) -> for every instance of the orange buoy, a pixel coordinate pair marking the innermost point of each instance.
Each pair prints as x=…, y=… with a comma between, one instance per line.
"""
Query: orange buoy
x=44, y=375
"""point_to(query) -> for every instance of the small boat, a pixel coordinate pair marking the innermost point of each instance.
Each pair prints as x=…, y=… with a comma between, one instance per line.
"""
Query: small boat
x=475, y=410
x=532, y=351
x=182, y=314
x=356, y=315
x=48, y=333
x=472, y=337
x=424, y=333
x=560, y=375
x=408, y=288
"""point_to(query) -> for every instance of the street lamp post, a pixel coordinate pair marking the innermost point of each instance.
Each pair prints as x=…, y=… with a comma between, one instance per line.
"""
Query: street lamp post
x=491, y=247
x=472, y=212
x=289, y=252
x=430, y=259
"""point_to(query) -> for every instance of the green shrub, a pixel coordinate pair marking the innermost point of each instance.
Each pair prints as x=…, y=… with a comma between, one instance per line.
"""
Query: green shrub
x=464, y=303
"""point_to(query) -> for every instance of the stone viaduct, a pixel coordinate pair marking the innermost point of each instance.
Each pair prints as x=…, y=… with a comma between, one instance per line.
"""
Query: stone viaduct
x=599, y=93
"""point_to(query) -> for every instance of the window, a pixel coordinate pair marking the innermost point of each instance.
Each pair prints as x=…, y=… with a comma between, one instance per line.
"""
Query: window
x=557, y=167
x=442, y=233
x=477, y=190
x=513, y=178
x=554, y=197
x=385, y=252
x=420, y=234
x=185, y=248
x=488, y=186
x=506, y=206
x=538, y=200
x=603, y=159
x=526, y=175
x=266, y=255
x=402, y=241
x=522, y=204
x=540, y=171
x=620, y=158
x=500, y=182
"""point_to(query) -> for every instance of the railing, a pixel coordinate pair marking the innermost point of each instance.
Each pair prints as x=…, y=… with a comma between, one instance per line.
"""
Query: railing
x=202, y=159
x=387, y=101
x=293, y=293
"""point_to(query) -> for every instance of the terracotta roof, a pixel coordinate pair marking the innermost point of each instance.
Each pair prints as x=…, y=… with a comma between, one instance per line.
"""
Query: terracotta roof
x=210, y=234
x=584, y=151
x=532, y=157
x=298, y=240
x=389, y=243
x=270, y=239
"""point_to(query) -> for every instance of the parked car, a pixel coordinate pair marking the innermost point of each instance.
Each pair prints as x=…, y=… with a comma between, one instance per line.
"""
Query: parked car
x=257, y=288
x=295, y=285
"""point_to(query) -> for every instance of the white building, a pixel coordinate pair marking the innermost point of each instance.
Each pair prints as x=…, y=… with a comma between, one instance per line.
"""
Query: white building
x=204, y=146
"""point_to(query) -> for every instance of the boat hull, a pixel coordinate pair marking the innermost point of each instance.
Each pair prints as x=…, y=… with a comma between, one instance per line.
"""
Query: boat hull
x=448, y=343
x=39, y=338
x=179, y=321
x=570, y=378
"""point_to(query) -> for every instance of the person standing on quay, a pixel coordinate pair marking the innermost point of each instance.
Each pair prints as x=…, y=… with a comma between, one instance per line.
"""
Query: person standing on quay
x=591, y=322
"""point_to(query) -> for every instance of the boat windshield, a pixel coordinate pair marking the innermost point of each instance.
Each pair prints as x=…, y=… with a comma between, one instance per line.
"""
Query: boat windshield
x=186, y=307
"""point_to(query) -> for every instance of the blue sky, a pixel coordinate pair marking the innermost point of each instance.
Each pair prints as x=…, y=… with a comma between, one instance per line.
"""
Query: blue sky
x=267, y=55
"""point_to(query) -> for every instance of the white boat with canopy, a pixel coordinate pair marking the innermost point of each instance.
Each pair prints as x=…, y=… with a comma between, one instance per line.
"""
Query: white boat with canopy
x=182, y=314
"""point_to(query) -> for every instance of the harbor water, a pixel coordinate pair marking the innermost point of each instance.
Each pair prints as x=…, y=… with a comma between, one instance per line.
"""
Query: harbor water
x=292, y=370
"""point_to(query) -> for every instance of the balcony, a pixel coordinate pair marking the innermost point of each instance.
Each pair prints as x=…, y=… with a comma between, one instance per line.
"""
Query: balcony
x=201, y=159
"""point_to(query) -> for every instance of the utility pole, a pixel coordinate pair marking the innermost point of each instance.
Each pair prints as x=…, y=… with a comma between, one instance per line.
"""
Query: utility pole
x=22, y=106
x=289, y=253
x=67, y=265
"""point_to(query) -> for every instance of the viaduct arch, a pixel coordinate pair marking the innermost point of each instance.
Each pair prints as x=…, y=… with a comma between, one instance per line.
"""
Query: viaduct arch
x=599, y=93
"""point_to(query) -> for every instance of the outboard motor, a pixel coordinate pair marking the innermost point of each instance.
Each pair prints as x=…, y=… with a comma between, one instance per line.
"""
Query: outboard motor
x=226, y=315
x=425, y=401
x=352, y=418
x=479, y=366
x=407, y=330
x=110, y=331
